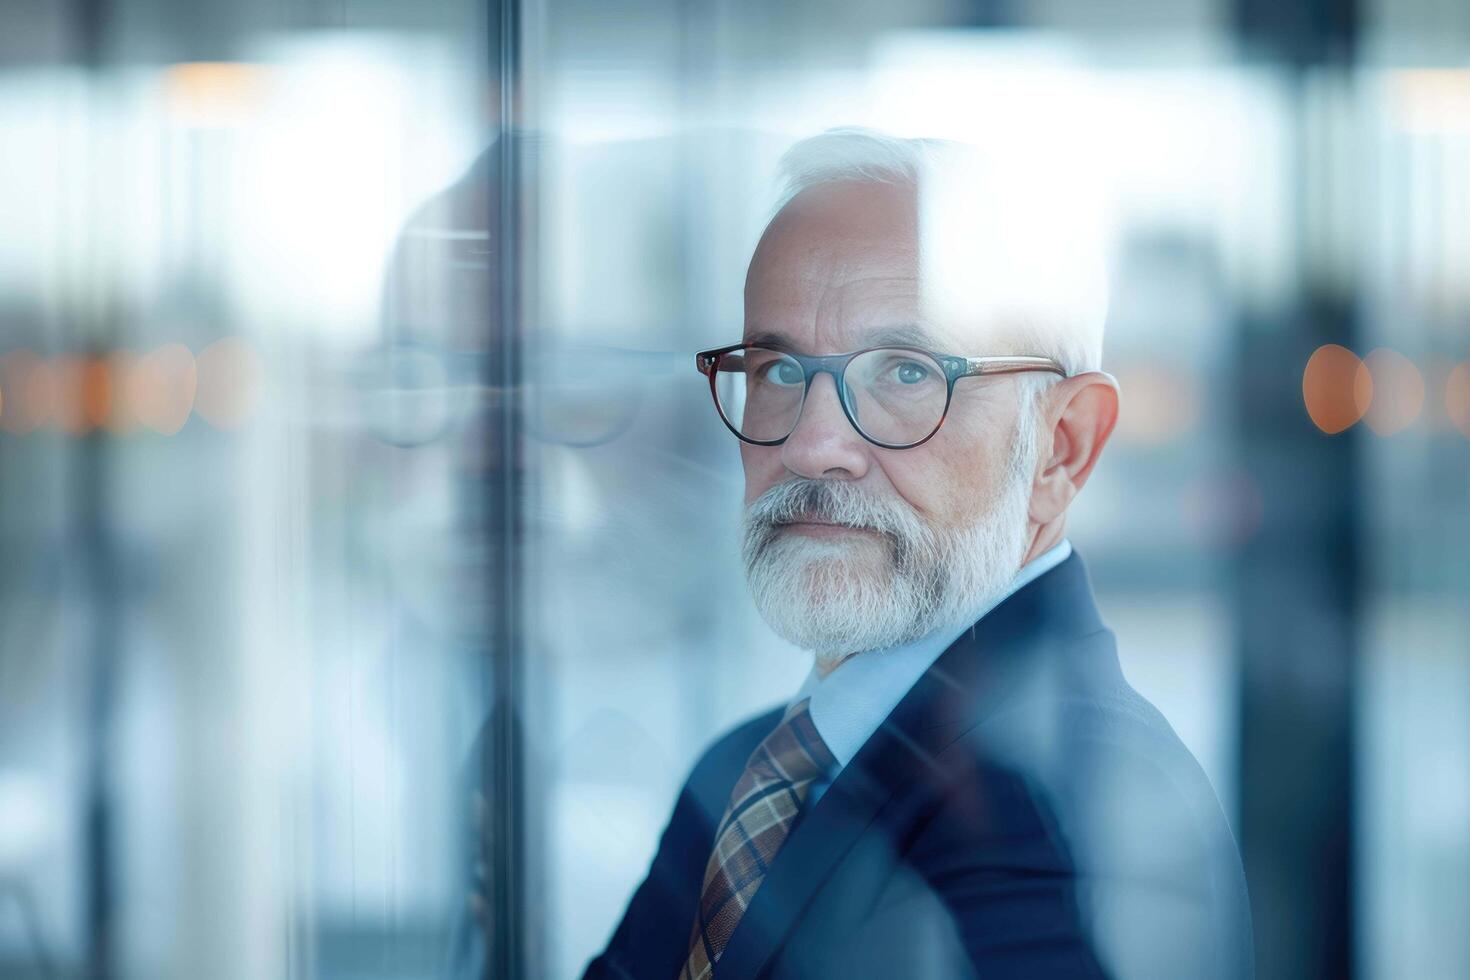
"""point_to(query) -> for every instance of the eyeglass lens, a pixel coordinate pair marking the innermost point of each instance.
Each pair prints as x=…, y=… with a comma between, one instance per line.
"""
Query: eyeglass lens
x=894, y=396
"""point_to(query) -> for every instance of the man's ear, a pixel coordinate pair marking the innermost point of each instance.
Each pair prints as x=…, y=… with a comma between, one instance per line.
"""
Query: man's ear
x=1080, y=412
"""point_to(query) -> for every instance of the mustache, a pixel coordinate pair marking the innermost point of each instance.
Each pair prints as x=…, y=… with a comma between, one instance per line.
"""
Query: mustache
x=834, y=502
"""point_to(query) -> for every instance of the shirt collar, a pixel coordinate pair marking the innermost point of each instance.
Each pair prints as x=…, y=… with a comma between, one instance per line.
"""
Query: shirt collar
x=849, y=704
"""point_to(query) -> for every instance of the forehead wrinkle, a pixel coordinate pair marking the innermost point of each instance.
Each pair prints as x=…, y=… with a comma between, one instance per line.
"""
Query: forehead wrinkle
x=822, y=279
x=840, y=318
x=911, y=326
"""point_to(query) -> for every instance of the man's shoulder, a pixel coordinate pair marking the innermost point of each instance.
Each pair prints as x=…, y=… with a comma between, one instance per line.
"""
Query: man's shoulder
x=1126, y=749
x=1103, y=749
x=1100, y=783
x=1146, y=824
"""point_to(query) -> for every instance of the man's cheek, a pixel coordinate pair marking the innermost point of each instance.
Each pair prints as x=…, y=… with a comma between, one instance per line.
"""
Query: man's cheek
x=942, y=496
x=754, y=487
x=760, y=475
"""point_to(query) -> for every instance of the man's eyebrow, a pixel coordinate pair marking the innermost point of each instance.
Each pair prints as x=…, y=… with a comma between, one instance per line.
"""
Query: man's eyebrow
x=766, y=338
x=908, y=334
x=902, y=335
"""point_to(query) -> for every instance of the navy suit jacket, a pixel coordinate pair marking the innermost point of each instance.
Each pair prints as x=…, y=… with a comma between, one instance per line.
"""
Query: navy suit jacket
x=1023, y=812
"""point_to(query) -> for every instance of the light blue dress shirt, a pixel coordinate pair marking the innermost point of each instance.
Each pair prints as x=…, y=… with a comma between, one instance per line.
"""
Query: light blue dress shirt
x=850, y=703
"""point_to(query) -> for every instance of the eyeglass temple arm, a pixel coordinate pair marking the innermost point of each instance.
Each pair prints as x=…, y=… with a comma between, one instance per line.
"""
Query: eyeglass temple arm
x=704, y=361
x=975, y=366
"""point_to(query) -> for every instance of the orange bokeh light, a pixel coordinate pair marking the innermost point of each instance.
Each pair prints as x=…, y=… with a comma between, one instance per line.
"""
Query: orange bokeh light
x=121, y=416
x=30, y=391
x=229, y=378
x=1335, y=388
x=1398, y=391
x=83, y=393
x=214, y=93
x=96, y=391
x=160, y=388
x=66, y=409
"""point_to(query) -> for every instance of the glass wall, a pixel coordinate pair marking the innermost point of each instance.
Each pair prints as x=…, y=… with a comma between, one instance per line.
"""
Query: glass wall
x=369, y=545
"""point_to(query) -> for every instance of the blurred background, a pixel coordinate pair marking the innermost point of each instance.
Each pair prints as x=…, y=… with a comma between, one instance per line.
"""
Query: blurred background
x=368, y=541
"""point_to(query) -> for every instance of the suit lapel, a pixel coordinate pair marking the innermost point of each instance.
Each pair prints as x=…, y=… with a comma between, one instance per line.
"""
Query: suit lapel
x=966, y=683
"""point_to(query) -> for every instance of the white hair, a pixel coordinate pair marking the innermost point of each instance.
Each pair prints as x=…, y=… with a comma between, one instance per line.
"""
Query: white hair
x=1009, y=242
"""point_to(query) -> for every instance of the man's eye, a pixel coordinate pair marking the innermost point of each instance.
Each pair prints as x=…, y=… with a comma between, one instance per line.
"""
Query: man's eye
x=783, y=373
x=910, y=372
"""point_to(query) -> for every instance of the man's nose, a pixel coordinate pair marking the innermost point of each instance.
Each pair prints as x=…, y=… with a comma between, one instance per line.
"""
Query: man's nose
x=824, y=445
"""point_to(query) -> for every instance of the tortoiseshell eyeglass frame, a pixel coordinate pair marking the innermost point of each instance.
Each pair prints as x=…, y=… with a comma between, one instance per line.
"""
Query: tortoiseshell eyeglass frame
x=954, y=366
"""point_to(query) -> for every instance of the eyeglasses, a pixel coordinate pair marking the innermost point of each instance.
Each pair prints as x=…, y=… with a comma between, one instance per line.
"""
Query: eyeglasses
x=895, y=397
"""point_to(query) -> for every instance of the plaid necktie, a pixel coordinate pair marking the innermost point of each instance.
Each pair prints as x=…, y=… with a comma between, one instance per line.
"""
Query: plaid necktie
x=763, y=808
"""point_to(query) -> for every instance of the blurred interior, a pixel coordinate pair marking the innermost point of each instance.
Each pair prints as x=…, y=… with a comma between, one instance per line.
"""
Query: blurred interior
x=365, y=526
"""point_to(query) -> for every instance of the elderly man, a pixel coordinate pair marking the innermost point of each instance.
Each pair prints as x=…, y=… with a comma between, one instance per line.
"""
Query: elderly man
x=965, y=785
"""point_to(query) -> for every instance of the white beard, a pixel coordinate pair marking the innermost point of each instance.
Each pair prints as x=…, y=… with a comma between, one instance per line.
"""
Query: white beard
x=855, y=592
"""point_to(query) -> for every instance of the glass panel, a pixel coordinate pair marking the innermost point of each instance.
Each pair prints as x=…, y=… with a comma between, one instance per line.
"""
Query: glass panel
x=249, y=467
x=371, y=573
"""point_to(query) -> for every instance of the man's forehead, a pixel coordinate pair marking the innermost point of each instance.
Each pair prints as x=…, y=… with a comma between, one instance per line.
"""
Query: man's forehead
x=840, y=268
x=824, y=281
x=803, y=341
x=841, y=235
x=812, y=313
